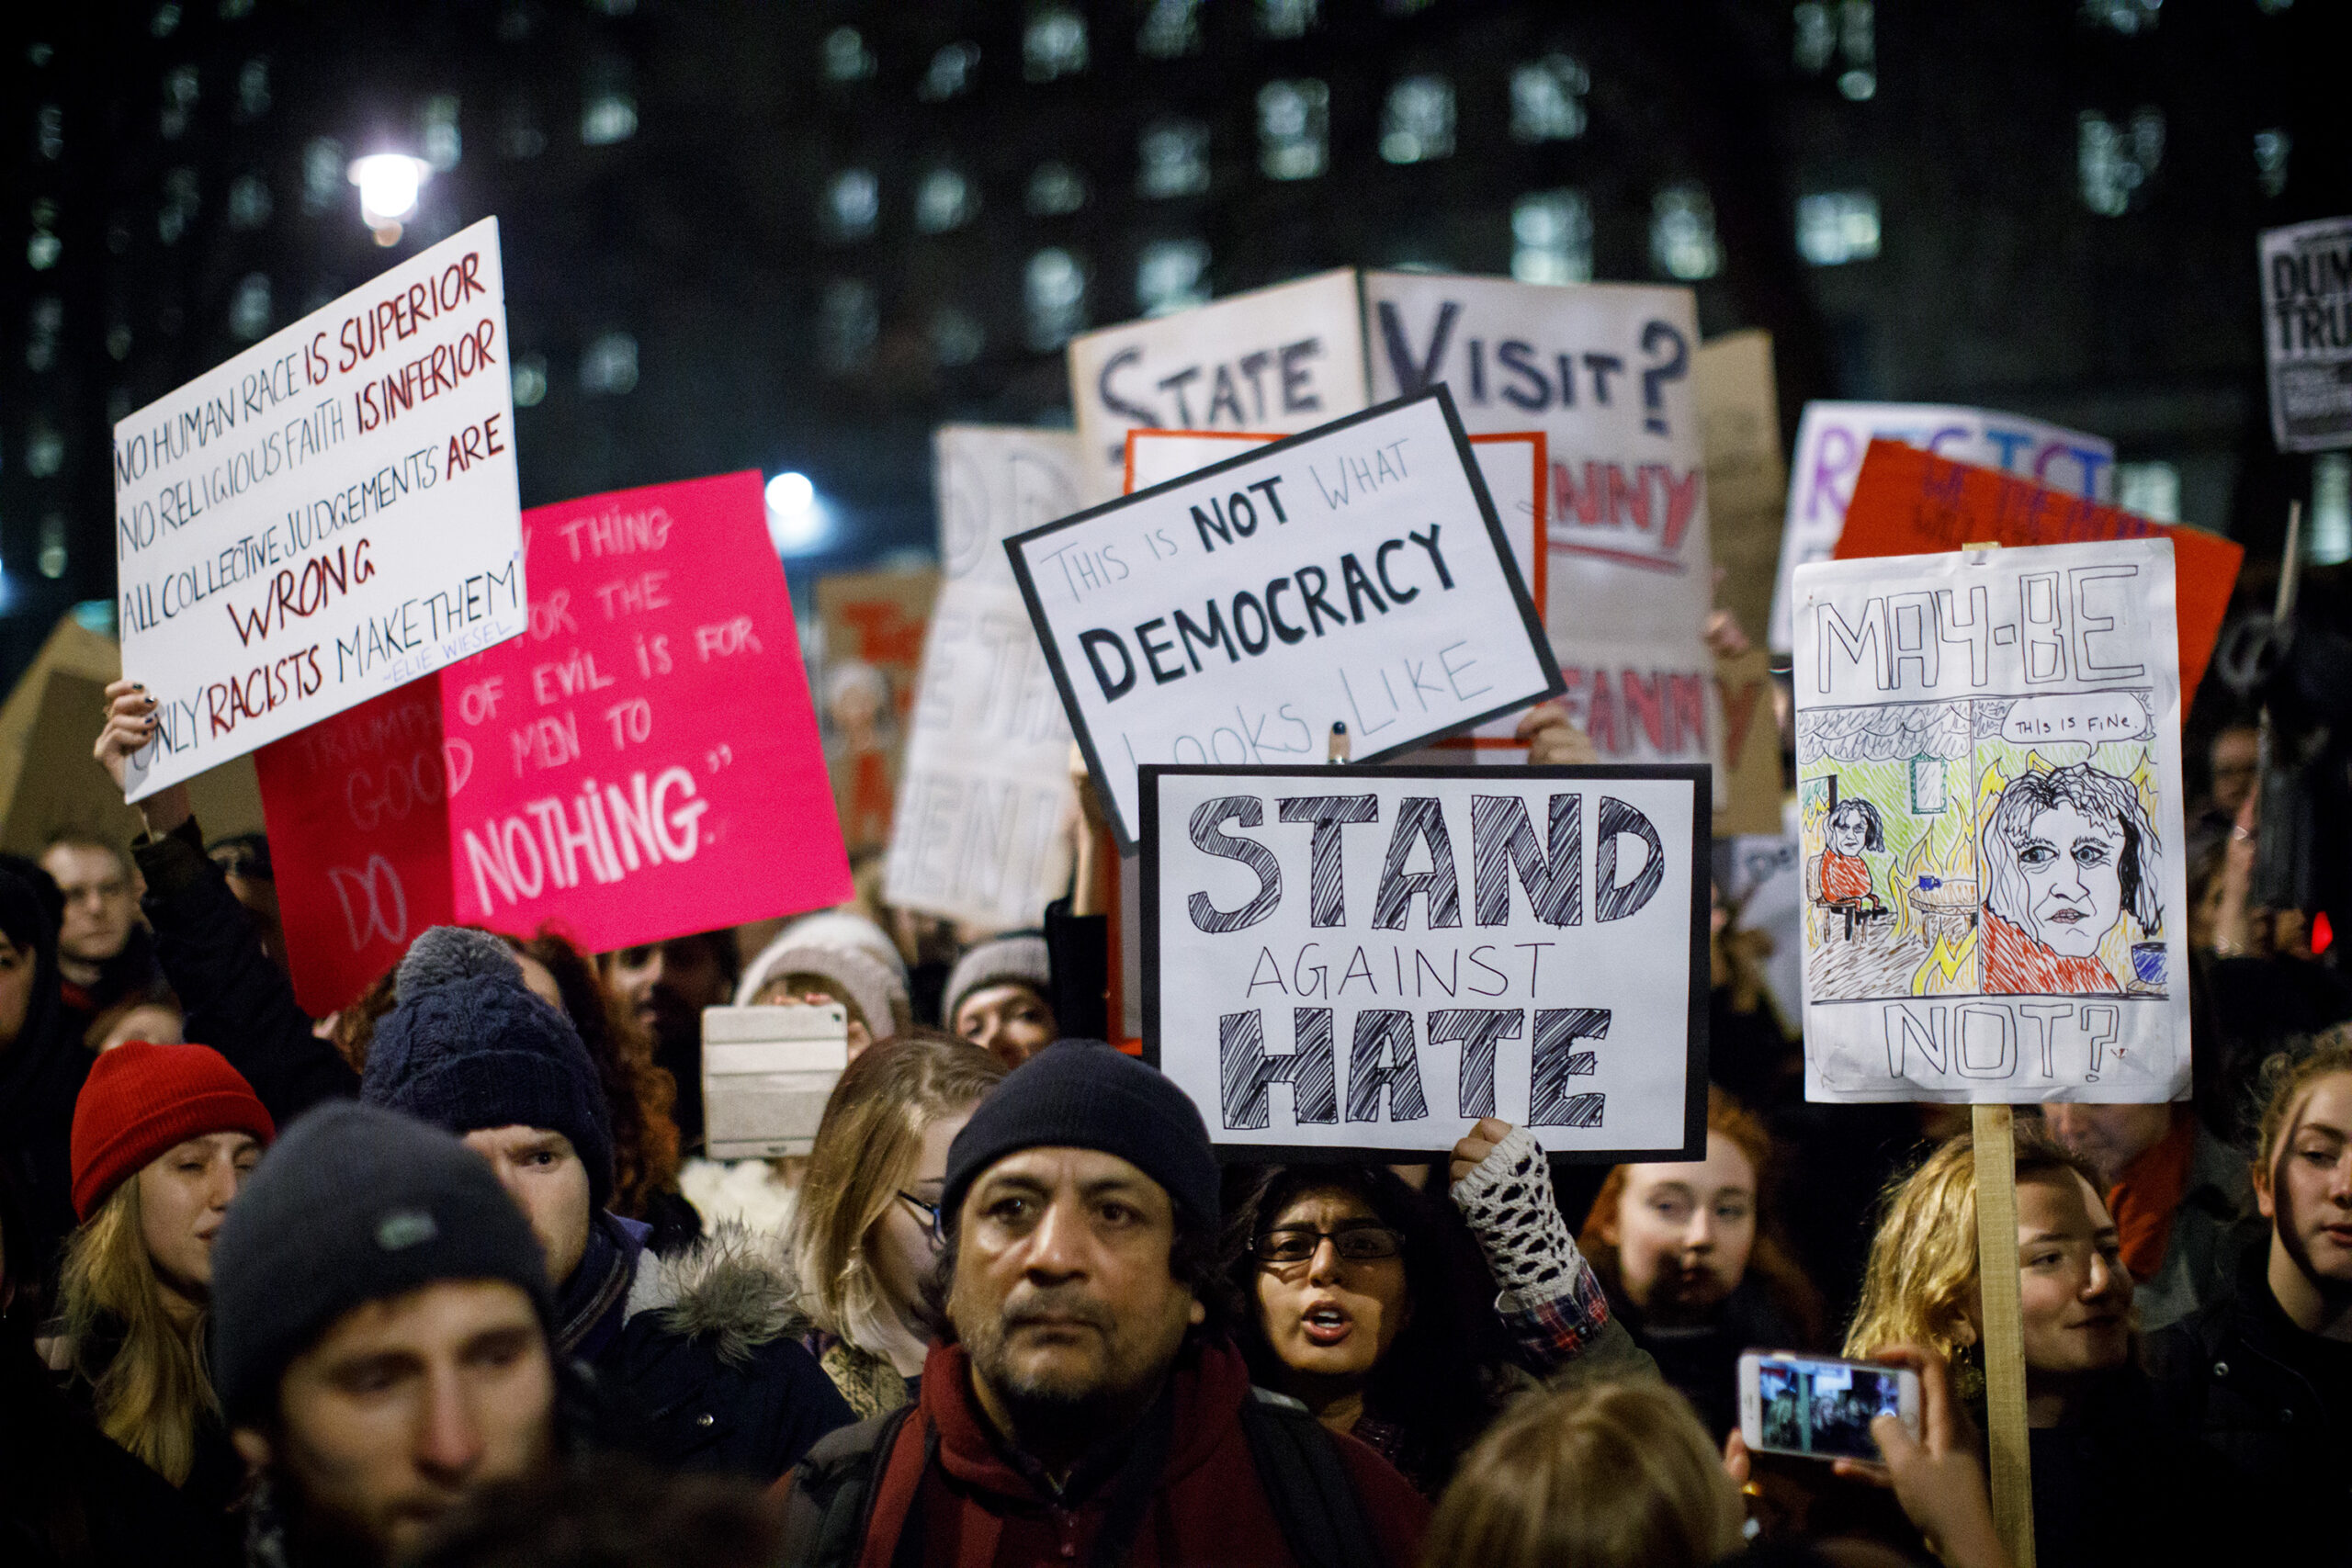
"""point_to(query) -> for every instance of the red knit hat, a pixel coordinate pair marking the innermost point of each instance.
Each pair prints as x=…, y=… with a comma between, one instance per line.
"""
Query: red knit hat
x=142, y=1098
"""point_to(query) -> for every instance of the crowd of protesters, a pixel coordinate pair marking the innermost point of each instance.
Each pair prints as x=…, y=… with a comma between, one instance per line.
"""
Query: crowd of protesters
x=450, y=1277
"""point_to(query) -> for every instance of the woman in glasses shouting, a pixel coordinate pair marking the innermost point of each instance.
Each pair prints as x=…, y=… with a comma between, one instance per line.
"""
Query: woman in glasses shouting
x=1364, y=1299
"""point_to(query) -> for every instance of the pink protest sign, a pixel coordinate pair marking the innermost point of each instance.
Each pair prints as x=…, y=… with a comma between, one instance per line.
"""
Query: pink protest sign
x=641, y=763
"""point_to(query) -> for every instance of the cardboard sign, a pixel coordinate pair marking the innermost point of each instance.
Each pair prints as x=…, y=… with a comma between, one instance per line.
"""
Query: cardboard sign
x=1988, y=788
x=642, y=765
x=1833, y=438
x=985, y=796
x=63, y=786
x=325, y=517
x=1909, y=502
x=1751, y=801
x=1286, y=358
x=1358, y=574
x=1516, y=473
x=873, y=624
x=2307, y=334
x=1365, y=961
x=1747, y=471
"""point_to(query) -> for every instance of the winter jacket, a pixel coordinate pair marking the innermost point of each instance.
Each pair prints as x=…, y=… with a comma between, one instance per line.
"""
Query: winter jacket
x=2272, y=1401
x=700, y=1364
x=2214, y=1222
x=41, y=1073
x=2118, y=1486
x=1700, y=1360
x=1182, y=1486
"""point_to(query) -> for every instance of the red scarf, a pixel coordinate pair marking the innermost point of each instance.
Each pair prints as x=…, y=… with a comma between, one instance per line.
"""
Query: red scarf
x=2147, y=1192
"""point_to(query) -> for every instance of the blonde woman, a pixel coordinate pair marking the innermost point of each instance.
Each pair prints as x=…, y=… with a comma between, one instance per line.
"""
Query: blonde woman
x=2113, y=1480
x=163, y=1136
x=866, y=1233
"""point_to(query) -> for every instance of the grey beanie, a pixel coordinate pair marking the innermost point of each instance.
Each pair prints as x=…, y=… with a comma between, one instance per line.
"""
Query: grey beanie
x=352, y=1204
x=1018, y=958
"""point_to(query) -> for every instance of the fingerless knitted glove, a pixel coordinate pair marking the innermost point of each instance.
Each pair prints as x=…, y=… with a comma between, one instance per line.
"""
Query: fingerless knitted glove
x=1507, y=1202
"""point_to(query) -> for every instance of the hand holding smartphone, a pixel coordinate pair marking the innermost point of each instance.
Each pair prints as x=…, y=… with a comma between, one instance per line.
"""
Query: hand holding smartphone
x=1821, y=1407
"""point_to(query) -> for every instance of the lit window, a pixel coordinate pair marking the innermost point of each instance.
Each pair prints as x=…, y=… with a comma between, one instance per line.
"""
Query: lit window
x=249, y=308
x=949, y=74
x=1054, y=290
x=1287, y=19
x=2328, y=541
x=519, y=135
x=849, y=323
x=1837, y=226
x=442, y=146
x=530, y=380
x=2149, y=490
x=1171, y=28
x=2273, y=8
x=1547, y=99
x=1550, y=234
x=956, y=338
x=608, y=106
x=610, y=367
x=119, y=342
x=322, y=173
x=614, y=7
x=236, y=10
x=182, y=196
x=253, y=89
x=1682, y=234
x=1173, y=155
x=180, y=85
x=944, y=200
x=165, y=21
x=42, y=246
x=1857, y=42
x=1053, y=44
x=2271, y=150
x=2125, y=16
x=852, y=202
x=249, y=202
x=1294, y=128
x=44, y=448
x=1171, y=275
x=52, y=545
x=2117, y=162
x=1816, y=37
x=1417, y=123
x=47, y=318
x=846, y=57
x=1055, y=190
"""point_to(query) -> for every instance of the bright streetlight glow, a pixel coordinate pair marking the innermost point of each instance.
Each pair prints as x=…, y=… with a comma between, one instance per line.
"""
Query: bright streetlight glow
x=388, y=185
x=797, y=522
x=790, y=494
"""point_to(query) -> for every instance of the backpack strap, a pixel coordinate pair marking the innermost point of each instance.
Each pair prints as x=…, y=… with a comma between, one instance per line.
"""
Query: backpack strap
x=1307, y=1484
x=834, y=1490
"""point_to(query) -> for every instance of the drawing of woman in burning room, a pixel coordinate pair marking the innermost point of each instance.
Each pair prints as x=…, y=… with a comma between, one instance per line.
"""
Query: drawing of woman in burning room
x=2067, y=854
x=1853, y=829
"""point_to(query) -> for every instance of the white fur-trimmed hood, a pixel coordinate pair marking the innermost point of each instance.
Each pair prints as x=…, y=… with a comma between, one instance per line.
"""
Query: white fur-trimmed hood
x=733, y=1288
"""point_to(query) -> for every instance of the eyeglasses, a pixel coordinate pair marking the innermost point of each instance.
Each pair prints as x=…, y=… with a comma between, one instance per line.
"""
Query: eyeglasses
x=1364, y=1242
x=932, y=1213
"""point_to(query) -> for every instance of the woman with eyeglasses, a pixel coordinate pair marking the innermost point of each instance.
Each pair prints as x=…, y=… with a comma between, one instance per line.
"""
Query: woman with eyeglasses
x=1356, y=1296
x=866, y=1233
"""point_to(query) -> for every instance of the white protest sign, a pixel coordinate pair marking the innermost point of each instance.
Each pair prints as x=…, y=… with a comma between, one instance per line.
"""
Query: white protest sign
x=328, y=516
x=1281, y=360
x=1989, y=821
x=1833, y=438
x=1372, y=959
x=2307, y=334
x=984, y=793
x=1355, y=575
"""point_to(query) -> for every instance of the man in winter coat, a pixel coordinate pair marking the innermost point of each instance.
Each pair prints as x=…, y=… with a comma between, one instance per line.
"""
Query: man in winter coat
x=380, y=1337
x=1085, y=1406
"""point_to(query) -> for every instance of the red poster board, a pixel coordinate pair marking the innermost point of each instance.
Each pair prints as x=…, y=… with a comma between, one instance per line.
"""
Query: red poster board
x=642, y=763
x=1909, y=502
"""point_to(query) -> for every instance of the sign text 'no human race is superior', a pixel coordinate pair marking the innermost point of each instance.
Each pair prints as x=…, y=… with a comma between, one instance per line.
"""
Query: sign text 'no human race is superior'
x=328, y=516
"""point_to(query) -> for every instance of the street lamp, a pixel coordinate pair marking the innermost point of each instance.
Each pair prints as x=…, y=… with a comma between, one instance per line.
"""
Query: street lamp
x=388, y=185
x=796, y=521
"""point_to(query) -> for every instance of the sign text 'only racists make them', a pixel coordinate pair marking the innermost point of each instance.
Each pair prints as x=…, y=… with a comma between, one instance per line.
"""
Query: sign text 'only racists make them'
x=1356, y=575
x=1372, y=959
x=328, y=516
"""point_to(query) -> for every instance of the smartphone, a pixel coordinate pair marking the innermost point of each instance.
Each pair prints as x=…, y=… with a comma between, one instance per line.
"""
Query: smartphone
x=766, y=1074
x=1820, y=1407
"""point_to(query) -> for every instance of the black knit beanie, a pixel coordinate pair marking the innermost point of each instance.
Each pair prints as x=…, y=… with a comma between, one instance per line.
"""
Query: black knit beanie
x=1083, y=1094
x=352, y=1204
x=469, y=1047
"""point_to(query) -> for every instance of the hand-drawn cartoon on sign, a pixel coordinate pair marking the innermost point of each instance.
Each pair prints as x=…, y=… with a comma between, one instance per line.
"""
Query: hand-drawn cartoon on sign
x=1988, y=786
x=985, y=795
x=327, y=516
x=1344, y=960
x=1833, y=438
x=2307, y=334
x=1357, y=574
x=644, y=763
x=1283, y=360
x=873, y=624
